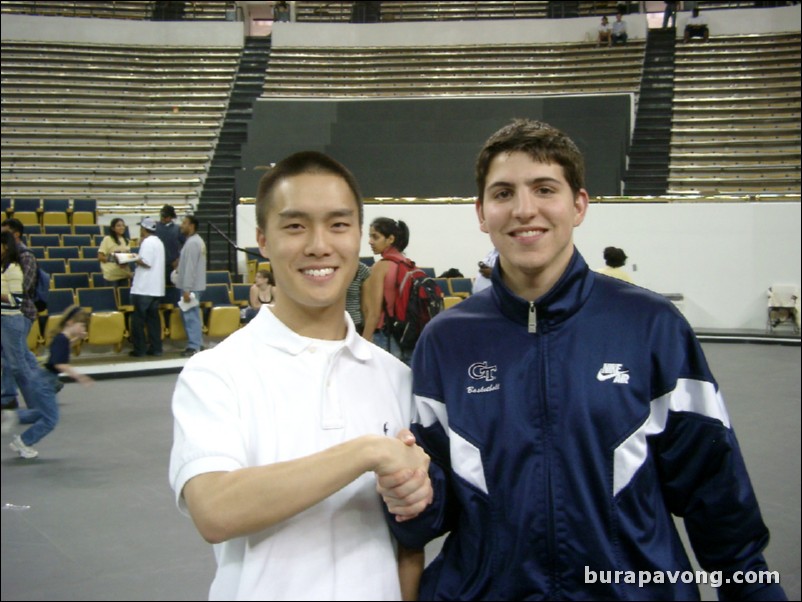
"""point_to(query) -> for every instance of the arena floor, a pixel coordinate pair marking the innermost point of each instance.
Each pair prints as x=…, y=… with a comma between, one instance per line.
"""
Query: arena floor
x=93, y=518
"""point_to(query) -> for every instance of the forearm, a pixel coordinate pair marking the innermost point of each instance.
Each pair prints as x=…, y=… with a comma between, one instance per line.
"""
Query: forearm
x=371, y=321
x=70, y=371
x=410, y=569
x=225, y=505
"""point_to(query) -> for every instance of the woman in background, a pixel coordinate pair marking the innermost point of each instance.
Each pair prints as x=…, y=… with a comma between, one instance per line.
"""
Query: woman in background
x=262, y=292
x=388, y=238
x=114, y=273
x=615, y=259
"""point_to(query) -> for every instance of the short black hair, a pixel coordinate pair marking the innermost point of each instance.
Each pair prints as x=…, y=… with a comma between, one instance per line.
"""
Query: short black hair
x=615, y=257
x=295, y=165
x=193, y=220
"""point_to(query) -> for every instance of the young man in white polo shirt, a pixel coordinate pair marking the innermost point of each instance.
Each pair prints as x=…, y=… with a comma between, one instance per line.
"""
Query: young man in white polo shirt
x=147, y=291
x=278, y=428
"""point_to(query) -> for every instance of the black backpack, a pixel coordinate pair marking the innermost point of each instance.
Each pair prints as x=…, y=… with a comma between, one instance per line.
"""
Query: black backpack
x=418, y=300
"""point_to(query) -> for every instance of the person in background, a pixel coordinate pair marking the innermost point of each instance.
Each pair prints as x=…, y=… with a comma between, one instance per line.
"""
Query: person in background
x=355, y=295
x=147, y=291
x=262, y=293
x=696, y=27
x=281, y=12
x=619, y=35
x=570, y=417
x=605, y=33
x=482, y=280
x=19, y=363
x=169, y=233
x=615, y=258
x=191, y=280
x=670, y=13
x=388, y=238
x=114, y=273
x=280, y=428
x=45, y=416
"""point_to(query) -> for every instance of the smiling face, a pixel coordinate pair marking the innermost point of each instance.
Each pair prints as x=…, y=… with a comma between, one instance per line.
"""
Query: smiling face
x=312, y=237
x=119, y=228
x=530, y=213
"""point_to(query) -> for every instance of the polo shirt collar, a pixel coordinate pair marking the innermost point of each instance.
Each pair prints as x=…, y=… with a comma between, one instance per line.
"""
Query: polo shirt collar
x=275, y=333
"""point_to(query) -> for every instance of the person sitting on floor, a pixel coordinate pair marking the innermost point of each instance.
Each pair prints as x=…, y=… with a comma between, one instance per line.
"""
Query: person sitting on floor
x=619, y=35
x=605, y=32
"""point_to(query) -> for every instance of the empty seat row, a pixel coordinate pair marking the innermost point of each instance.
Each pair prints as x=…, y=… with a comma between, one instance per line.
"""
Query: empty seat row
x=566, y=68
x=51, y=211
x=736, y=118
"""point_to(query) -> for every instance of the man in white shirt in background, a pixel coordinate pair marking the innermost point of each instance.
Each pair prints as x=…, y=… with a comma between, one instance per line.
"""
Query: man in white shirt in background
x=147, y=291
x=619, y=29
x=482, y=280
x=191, y=279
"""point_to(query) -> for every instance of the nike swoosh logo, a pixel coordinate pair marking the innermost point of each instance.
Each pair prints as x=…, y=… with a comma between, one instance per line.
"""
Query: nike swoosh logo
x=602, y=377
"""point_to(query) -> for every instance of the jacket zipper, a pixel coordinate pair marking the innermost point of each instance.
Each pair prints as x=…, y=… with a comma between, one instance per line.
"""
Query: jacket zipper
x=532, y=324
x=548, y=453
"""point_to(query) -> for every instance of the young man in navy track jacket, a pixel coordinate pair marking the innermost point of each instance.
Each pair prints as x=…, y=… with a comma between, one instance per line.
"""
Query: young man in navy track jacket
x=569, y=416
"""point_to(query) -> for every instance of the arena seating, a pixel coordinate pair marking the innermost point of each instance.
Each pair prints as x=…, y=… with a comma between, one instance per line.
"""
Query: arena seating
x=114, y=123
x=569, y=68
x=736, y=120
x=207, y=10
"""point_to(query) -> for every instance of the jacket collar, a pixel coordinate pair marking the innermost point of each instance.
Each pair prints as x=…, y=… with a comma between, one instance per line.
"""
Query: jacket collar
x=562, y=301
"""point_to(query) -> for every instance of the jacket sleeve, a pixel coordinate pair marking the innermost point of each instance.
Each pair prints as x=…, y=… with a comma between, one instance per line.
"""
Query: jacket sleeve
x=28, y=264
x=431, y=433
x=704, y=481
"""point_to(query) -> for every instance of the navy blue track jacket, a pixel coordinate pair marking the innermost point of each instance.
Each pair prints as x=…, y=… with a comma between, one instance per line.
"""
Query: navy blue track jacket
x=564, y=434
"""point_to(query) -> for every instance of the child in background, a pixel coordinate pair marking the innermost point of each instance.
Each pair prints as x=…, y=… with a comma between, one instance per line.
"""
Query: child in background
x=44, y=417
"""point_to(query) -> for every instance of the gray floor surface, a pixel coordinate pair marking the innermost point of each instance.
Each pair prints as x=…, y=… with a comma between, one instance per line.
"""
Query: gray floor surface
x=94, y=518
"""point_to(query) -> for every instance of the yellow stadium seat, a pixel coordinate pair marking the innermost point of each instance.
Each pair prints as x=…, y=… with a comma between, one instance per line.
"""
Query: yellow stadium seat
x=107, y=328
x=450, y=301
x=35, y=337
x=222, y=321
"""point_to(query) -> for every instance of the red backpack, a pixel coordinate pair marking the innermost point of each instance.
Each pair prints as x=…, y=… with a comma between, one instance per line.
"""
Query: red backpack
x=418, y=300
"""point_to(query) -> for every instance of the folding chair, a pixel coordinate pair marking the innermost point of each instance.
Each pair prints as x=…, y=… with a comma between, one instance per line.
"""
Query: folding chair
x=783, y=306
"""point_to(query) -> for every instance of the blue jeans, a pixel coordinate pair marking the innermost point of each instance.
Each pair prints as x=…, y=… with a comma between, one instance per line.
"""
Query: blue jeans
x=20, y=367
x=670, y=12
x=388, y=343
x=44, y=418
x=193, y=324
x=146, y=315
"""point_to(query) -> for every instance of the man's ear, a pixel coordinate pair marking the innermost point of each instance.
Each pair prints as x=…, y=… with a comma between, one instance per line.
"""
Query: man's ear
x=480, y=214
x=261, y=242
x=581, y=202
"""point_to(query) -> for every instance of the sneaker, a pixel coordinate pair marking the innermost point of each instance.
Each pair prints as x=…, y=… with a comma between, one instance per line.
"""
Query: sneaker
x=188, y=352
x=9, y=422
x=23, y=450
x=11, y=404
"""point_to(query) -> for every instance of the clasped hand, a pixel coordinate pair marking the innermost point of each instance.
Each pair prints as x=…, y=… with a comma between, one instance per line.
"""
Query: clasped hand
x=406, y=490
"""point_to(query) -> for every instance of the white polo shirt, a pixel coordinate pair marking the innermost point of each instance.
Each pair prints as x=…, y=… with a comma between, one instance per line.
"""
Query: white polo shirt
x=266, y=395
x=150, y=280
